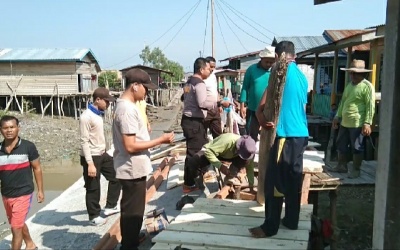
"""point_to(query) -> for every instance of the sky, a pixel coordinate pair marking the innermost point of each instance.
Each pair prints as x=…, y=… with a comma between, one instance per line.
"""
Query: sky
x=117, y=30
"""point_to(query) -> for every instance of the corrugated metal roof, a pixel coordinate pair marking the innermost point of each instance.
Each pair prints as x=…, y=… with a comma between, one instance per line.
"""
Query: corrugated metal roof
x=336, y=35
x=302, y=43
x=35, y=54
x=241, y=56
x=38, y=54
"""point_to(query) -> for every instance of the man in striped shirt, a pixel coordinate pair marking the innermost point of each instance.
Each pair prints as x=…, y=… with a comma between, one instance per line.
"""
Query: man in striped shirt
x=18, y=157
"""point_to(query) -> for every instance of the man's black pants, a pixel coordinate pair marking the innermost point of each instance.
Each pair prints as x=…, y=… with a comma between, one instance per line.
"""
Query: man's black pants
x=284, y=178
x=195, y=134
x=252, y=125
x=213, y=122
x=105, y=166
x=133, y=203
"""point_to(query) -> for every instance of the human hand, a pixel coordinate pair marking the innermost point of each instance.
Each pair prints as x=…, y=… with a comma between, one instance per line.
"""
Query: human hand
x=268, y=125
x=366, y=130
x=243, y=113
x=91, y=170
x=220, y=110
x=40, y=196
x=167, y=138
x=335, y=123
x=149, y=127
x=225, y=104
x=224, y=169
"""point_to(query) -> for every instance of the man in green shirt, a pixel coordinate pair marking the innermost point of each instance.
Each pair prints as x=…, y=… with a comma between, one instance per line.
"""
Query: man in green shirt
x=254, y=84
x=356, y=111
x=228, y=147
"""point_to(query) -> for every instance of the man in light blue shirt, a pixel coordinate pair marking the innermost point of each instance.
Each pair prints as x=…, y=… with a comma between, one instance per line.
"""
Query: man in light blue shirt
x=284, y=174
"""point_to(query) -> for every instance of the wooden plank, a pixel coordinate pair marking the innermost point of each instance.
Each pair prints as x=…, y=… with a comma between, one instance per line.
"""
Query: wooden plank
x=305, y=188
x=172, y=246
x=313, y=162
x=258, y=211
x=238, y=230
x=173, y=176
x=205, y=239
x=229, y=219
x=230, y=203
x=165, y=151
x=313, y=144
x=225, y=202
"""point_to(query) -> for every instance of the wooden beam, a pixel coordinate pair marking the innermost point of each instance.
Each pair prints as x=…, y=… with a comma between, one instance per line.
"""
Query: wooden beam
x=373, y=61
x=349, y=60
x=316, y=62
x=334, y=78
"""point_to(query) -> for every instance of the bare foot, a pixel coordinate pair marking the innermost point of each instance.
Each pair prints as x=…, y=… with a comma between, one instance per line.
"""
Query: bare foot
x=257, y=232
x=31, y=247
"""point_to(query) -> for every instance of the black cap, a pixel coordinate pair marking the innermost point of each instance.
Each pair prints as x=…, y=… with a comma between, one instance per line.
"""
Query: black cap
x=139, y=76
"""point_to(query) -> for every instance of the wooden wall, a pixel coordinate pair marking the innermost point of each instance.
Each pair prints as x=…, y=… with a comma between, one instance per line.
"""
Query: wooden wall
x=37, y=68
x=39, y=85
x=46, y=78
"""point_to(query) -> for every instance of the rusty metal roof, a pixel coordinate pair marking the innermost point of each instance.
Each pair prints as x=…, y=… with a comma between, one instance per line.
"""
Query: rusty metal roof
x=147, y=68
x=241, y=56
x=336, y=35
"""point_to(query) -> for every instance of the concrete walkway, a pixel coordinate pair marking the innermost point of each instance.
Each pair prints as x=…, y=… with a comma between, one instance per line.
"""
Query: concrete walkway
x=63, y=223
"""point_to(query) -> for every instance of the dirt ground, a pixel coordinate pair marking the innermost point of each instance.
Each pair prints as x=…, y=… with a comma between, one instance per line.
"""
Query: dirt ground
x=355, y=213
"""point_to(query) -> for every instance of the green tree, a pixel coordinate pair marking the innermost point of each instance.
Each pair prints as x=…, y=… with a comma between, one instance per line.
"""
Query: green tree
x=111, y=77
x=155, y=58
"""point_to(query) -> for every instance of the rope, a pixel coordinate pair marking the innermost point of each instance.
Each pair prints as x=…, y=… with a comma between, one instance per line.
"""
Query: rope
x=222, y=34
x=205, y=30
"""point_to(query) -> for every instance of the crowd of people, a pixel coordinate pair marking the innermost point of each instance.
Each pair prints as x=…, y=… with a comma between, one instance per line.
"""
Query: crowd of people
x=127, y=166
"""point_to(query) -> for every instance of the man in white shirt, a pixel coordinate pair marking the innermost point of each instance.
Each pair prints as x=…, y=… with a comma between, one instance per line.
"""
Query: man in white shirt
x=213, y=119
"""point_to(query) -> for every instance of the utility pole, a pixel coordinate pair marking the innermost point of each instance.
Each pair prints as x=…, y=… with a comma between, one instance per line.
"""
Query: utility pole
x=212, y=28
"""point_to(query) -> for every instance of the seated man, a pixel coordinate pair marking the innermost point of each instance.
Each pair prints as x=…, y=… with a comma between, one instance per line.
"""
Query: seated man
x=228, y=147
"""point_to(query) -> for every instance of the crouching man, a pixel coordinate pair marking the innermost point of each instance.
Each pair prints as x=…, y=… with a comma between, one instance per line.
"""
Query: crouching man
x=228, y=147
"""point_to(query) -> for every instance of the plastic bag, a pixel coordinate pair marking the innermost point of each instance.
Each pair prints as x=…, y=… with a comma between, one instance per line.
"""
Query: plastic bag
x=156, y=221
x=238, y=119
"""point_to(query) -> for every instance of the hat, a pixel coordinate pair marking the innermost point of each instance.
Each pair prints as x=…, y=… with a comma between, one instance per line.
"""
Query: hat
x=139, y=76
x=268, y=52
x=246, y=147
x=357, y=66
x=103, y=93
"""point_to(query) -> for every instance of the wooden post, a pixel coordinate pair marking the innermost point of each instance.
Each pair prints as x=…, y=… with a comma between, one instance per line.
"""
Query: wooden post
x=75, y=111
x=80, y=105
x=349, y=59
x=316, y=62
x=41, y=105
x=334, y=78
x=373, y=61
x=22, y=105
x=272, y=108
x=386, y=213
x=52, y=107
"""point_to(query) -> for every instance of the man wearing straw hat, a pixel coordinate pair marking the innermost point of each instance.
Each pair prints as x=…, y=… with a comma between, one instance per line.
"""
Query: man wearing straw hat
x=356, y=111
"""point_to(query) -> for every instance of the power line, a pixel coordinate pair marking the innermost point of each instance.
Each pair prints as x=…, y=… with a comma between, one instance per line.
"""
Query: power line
x=232, y=10
x=222, y=34
x=230, y=6
x=173, y=26
x=234, y=33
x=205, y=31
x=247, y=33
x=187, y=19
